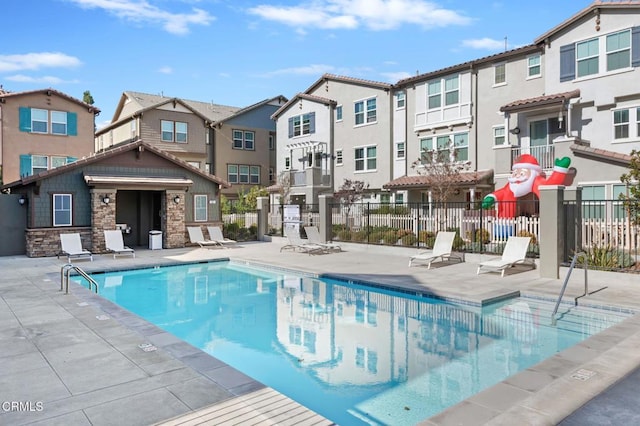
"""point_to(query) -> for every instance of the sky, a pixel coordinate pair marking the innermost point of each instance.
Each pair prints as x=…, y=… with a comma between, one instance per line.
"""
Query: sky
x=239, y=52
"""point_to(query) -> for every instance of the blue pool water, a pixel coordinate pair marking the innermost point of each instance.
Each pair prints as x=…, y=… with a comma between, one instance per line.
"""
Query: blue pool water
x=354, y=354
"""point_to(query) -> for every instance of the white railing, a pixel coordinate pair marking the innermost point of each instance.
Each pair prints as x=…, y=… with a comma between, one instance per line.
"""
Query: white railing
x=545, y=154
x=248, y=219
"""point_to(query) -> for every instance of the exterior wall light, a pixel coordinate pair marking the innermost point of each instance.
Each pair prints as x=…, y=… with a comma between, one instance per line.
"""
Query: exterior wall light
x=176, y=199
x=22, y=200
x=106, y=199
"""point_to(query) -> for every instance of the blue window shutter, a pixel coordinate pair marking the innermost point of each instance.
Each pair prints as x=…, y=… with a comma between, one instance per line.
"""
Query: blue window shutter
x=567, y=62
x=635, y=47
x=25, y=119
x=72, y=124
x=72, y=159
x=312, y=122
x=25, y=165
x=291, y=127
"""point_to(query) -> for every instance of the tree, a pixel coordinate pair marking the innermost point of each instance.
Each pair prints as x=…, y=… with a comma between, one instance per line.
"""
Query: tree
x=247, y=201
x=632, y=179
x=349, y=193
x=87, y=98
x=442, y=169
x=284, y=187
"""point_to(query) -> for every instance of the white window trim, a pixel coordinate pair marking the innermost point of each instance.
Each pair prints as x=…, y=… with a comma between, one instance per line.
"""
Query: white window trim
x=404, y=151
x=504, y=136
x=196, y=218
x=365, y=158
x=53, y=203
x=46, y=167
x=66, y=124
x=339, y=120
x=495, y=66
x=539, y=75
x=404, y=99
x=364, y=112
x=40, y=121
x=339, y=157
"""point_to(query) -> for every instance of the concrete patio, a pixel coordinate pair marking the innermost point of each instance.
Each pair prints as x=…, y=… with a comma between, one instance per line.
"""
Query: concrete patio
x=78, y=359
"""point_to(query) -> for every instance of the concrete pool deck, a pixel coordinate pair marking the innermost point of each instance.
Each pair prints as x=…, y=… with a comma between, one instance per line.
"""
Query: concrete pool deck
x=79, y=360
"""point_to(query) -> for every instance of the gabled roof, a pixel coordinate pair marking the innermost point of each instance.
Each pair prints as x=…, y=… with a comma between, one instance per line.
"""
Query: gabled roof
x=111, y=152
x=530, y=48
x=591, y=9
x=301, y=96
x=545, y=100
x=424, y=181
x=49, y=91
x=145, y=102
x=280, y=99
x=349, y=80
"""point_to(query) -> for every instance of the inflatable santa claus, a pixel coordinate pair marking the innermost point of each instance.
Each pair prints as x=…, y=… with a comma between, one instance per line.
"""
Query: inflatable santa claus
x=525, y=178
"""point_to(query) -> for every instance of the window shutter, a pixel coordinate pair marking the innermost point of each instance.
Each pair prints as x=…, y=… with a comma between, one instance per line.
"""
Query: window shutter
x=72, y=159
x=72, y=124
x=25, y=165
x=291, y=127
x=568, y=62
x=312, y=122
x=635, y=47
x=25, y=119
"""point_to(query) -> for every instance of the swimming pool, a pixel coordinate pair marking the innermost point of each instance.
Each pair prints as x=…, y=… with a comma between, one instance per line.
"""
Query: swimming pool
x=354, y=354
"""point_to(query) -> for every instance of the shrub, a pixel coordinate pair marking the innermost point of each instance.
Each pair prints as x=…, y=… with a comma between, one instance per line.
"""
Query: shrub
x=606, y=257
x=482, y=236
x=409, y=240
x=523, y=233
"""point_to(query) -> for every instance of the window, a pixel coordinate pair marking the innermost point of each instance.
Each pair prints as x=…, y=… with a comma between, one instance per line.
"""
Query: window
x=207, y=136
x=499, y=136
x=254, y=174
x=173, y=131
x=365, y=111
x=61, y=209
x=39, y=163
x=243, y=140
x=58, y=161
x=272, y=174
x=499, y=74
x=385, y=198
x=338, y=157
x=533, y=66
x=400, y=153
x=399, y=198
x=621, y=124
x=272, y=142
x=593, y=202
x=400, y=100
x=232, y=173
x=442, y=145
x=435, y=92
x=58, y=123
x=243, y=173
x=39, y=121
x=365, y=158
x=287, y=163
x=132, y=129
x=304, y=124
x=195, y=164
x=208, y=167
x=619, y=50
x=461, y=146
x=339, y=113
x=587, y=57
x=200, y=208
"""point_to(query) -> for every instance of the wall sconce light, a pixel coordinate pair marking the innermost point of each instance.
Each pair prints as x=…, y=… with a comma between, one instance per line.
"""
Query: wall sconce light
x=176, y=199
x=106, y=199
x=22, y=200
x=516, y=131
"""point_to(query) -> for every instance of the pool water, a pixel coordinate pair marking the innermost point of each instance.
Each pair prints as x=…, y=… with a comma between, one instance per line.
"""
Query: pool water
x=354, y=354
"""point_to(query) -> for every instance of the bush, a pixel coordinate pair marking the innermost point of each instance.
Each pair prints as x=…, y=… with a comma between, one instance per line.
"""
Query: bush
x=534, y=240
x=606, y=257
x=481, y=236
x=409, y=240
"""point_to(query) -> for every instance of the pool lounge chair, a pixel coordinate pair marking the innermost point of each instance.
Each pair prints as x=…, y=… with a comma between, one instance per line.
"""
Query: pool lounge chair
x=515, y=252
x=114, y=243
x=72, y=247
x=196, y=237
x=442, y=249
x=215, y=234
x=296, y=243
x=314, y=238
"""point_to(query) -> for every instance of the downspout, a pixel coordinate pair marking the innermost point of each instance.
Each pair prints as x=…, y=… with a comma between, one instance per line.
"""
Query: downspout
x=474, y=100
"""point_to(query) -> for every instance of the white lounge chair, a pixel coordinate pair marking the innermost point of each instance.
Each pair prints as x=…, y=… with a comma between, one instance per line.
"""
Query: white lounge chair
x=215, y=234
x=442, y=249
x=196, y=237
x=515, y=252
x=296, y=243
x=72, y=247
x=314, y=238
x=114, y=242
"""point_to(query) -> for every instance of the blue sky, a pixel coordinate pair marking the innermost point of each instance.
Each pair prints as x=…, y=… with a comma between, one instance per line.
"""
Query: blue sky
x=238, y=52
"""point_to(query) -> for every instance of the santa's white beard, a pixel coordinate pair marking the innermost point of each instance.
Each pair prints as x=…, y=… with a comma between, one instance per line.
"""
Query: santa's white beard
x=522, y=188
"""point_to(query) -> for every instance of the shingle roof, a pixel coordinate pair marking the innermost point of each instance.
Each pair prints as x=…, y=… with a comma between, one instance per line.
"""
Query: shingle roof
x=350, y=80
x=214, y=112
x=424, y=181
x=556, y=98
x=5, y=94
x=299, y=96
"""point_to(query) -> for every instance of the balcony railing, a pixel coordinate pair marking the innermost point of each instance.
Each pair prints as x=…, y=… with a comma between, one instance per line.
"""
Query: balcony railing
x=313, y=176
x=545, y=154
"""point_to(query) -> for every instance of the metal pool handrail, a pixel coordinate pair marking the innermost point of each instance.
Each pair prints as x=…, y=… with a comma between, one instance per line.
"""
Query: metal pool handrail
x=65, y=271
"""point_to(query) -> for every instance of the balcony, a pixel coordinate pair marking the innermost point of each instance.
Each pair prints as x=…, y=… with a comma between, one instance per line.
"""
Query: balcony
x=313, y=176
x=545, y=154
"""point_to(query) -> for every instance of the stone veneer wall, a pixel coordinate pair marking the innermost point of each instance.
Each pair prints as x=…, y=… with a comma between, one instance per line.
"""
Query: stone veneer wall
x=103, y=216
x=173, y=228
x=45, y=242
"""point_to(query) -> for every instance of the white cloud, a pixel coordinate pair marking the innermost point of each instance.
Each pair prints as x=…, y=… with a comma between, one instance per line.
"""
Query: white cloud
x=36, y=61
x=142, y=11
x=47, y=79
x=373, y=14
x=484, y=43
x=165, y=70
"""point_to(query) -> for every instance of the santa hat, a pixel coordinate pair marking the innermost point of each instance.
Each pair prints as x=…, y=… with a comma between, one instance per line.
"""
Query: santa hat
x=526, y=161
